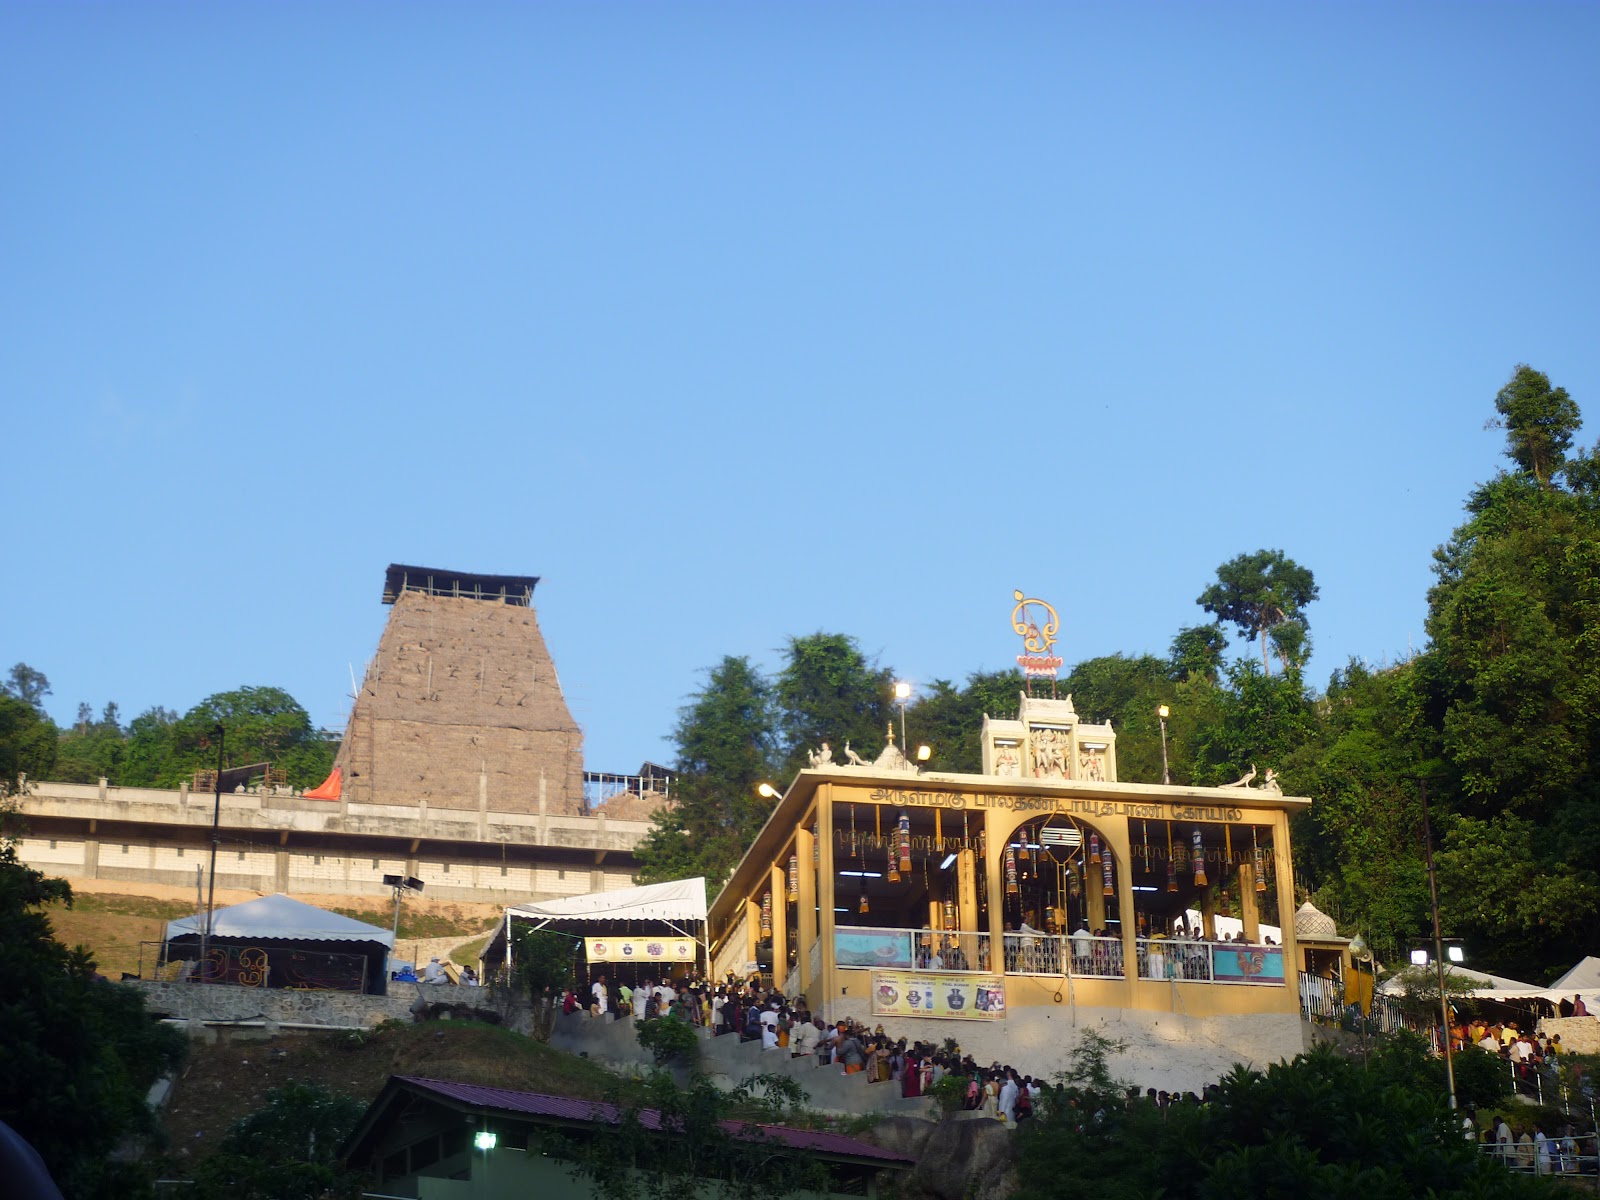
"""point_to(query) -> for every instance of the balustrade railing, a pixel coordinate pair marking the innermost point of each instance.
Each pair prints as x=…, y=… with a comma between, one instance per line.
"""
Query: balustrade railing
x=910, y=949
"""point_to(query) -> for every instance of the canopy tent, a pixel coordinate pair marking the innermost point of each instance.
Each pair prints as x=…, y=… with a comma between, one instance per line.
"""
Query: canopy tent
x=1585, y=977
x=304, y=937
x=678, y=904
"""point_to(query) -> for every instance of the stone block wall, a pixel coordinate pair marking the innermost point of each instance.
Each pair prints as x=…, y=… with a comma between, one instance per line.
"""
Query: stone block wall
x=462, y=708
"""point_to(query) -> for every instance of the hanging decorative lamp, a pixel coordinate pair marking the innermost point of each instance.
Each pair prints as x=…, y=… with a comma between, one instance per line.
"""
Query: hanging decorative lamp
x=866, y=905
x=1172, y=867
x=1011, y=872
x=1255, y=853
x=905, y=842
x=1105, y=873
x=893, y=874
x=1094, y=849
x=766, y=915
x=1022, y=850
x=794, y=877
x=949, y=914
x=1199, y=860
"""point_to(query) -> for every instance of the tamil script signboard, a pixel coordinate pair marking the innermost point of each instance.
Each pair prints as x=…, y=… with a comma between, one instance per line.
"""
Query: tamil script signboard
x=929, y=994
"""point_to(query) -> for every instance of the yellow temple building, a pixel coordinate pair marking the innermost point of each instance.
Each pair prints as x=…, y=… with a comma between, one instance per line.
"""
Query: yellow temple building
x=1039, y=894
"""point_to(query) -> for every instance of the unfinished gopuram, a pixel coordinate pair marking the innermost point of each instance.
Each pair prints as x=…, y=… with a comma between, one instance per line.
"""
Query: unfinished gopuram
x=461, y=707
x=461, y=766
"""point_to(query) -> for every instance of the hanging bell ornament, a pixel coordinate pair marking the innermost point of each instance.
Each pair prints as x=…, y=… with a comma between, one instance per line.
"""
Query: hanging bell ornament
x=1011, y=872
x=1199, y=861
x=1094, y=849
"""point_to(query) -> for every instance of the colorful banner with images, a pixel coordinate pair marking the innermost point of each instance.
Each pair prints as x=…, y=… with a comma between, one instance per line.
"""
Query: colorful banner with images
x=923, y=994
x=872, y=947
x=678, y=949
x=1247, y=964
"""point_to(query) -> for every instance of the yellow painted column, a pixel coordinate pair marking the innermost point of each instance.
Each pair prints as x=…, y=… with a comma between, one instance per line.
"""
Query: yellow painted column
x=780, y=924
x=994, y=865
x=1208, y=913
x=807, y=922
x=1249, y=910
x=967, y=890
x=752, y=931
x=1283, y=864
x=825, y=987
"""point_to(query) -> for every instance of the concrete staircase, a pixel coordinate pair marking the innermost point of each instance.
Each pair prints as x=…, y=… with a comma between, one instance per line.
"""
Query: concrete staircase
x=728, y=1062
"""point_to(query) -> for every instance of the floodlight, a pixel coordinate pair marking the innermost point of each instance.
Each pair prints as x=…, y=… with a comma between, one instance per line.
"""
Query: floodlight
x=924, y=753
x=1455, y=954
x=902, y=691
x=485, y=1139
x=766, y=790
x=1163, y=712
x=1419, y=958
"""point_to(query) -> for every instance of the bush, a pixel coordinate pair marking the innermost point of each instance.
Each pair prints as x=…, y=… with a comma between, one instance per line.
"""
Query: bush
x=950, y=1093
x=669, y=1039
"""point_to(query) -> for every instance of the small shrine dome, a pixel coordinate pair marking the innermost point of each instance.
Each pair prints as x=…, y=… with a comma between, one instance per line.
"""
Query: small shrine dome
x=1312, y=924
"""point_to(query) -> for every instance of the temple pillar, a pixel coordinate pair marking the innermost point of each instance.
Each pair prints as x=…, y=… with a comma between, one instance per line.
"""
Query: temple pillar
x=780, y=925
x=806, y=922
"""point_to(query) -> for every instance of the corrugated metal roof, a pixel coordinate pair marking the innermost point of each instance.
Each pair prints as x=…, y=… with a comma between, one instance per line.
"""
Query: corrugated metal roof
x=539, y=1104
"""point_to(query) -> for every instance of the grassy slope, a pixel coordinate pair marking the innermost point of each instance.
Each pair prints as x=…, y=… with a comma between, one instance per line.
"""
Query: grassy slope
x=222, y=1082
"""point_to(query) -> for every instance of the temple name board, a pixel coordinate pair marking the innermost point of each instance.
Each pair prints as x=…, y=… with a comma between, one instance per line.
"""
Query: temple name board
x=1069, y=805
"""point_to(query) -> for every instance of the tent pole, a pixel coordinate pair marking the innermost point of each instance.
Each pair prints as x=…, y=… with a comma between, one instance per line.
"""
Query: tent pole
x=508, y=946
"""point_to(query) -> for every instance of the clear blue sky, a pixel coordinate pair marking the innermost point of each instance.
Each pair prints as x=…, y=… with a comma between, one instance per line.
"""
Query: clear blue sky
x=739, y=321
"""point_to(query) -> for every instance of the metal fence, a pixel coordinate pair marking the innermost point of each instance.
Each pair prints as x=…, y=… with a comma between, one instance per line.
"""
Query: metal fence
x=1563, y=1156
x=1323, y=999
x=254, y=966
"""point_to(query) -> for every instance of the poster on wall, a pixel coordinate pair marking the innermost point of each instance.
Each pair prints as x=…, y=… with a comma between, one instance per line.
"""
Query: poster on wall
x=676, y=949
x=924, y=994
x=1247, y=964
x=872, y=947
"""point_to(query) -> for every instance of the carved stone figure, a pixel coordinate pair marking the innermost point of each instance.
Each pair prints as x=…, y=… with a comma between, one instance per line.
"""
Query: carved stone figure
x=822, y=757
x=1091, y=766
x=1007, y=762
x=1244, y=780
x=1270, y=783
x=851, y=758
x=1049, y=754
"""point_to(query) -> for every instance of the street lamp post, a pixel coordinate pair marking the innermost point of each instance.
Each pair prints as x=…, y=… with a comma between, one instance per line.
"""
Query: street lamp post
x=1166, y=773
x=216, y=837
x=1438, y=947
x=902, y=693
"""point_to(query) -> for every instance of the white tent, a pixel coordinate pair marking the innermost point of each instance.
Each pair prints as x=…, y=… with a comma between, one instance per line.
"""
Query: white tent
x=676, y=903
x=1585, y=977
x=281, y=918
x=676, y=900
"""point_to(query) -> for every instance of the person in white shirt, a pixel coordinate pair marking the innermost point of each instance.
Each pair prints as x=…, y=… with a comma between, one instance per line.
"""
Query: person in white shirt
x=601, y=1001
x=641, y=999
x=769, y=1027
x=1008, y=1100
x=433, y=972
x=804, y=1040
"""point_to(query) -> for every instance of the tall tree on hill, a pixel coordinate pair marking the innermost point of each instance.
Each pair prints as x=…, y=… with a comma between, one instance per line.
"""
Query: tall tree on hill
x=829, y=692
x=1513, y=680
x=92, y=749
x=1196, y=653
x=1127, y=692
x=28, y=685
x=1260, y=592
x=28, y=743
x=1539, y=421
x=949, y=719
x=725, y=752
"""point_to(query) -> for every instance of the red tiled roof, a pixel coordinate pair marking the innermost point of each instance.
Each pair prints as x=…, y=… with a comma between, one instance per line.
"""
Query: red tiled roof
x=538, y=1104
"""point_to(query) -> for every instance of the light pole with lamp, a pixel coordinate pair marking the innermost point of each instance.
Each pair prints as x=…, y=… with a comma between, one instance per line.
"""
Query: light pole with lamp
x=902, y=693
x=1438, y=946
x=216, y=840
x=1362, y=953
x=1166, y=773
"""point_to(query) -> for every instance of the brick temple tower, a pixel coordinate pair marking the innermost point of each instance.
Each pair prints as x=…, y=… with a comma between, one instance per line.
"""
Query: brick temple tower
x=461, y=707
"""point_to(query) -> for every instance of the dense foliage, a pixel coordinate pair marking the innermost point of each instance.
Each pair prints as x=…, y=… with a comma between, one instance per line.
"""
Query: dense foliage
x=158, y=748
x=1322, y=1125
x=286, y=1150
x=77, y=1053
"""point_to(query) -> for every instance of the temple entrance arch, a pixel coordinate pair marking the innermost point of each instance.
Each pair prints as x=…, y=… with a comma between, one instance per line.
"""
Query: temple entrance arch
x=1060, y=875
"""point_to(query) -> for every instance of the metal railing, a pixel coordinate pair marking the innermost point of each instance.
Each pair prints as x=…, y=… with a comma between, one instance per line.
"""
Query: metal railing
x=1172, y=959
x=859, y=946
x=1035, y=954
x=1566, y=1156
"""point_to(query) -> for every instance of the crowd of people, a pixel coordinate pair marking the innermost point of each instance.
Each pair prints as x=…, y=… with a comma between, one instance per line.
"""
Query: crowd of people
x=1527, y=1147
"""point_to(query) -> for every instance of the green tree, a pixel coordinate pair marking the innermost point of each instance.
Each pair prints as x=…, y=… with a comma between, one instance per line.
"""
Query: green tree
x=28, y=743
x=92, y=748
x=829, y=692
x=1197, y=653
x=949, y=720
x=263, y=724
x=1259, y=592
x=544, y=964
x=1539, y=421
x=77, y=1053
x=286, y=1150
x=1260, y=721
x=670, y=1142
x=148, y=748
x=725, y=752
x=1127, y=692
x=28, y=685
